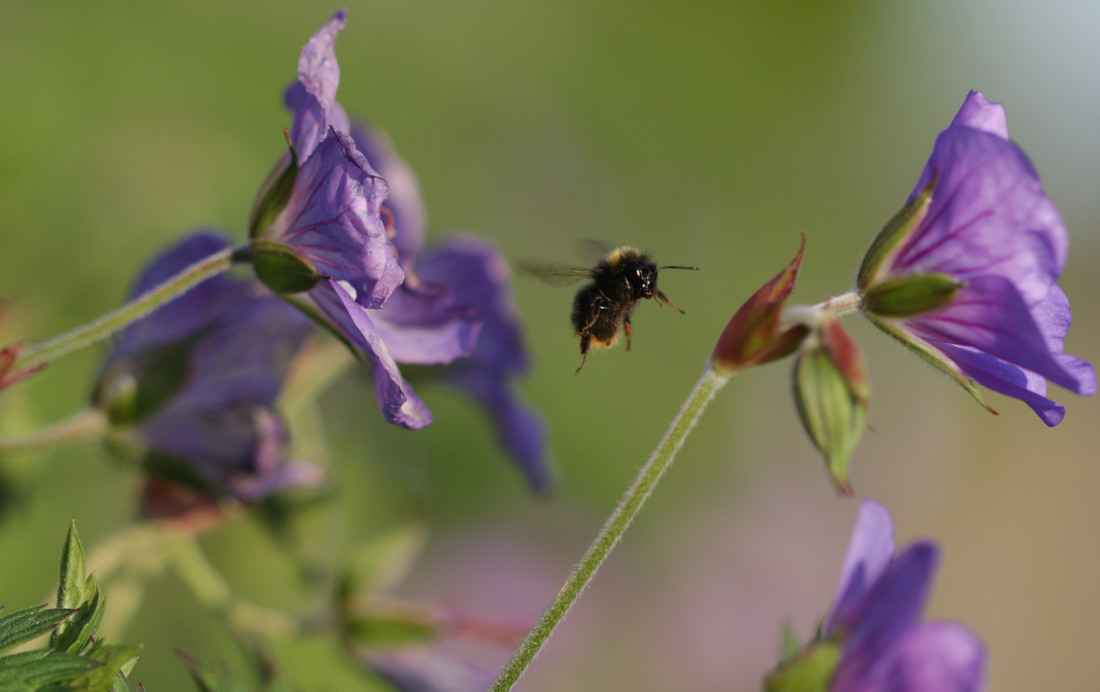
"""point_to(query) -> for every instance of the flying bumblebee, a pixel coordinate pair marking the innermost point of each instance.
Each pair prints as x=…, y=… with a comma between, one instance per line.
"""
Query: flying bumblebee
x=602, y=307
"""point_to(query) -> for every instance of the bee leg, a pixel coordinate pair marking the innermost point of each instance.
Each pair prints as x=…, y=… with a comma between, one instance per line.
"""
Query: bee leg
x=586, y=339
x=626, y=328
x=663, y=299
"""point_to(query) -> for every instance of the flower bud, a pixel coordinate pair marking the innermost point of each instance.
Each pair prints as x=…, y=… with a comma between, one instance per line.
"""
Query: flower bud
x=755, y=334
x=832, y=396
x=9, y=356
x=281, y=268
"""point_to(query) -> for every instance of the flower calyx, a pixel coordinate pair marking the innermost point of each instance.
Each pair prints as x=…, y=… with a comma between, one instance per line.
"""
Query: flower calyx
x=832, y=395
x=756, y=334
x=282, y=268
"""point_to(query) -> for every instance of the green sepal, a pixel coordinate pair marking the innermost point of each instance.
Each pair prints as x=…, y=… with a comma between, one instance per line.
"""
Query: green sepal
x=24, y=625
x=834, y=418
x=810, y=672
x=934, y=358
x=281, y=268
x=79, y=630
x=894, y=233
x=906, y=296
x=789, y=645
x=273, y=196
x=36, y=669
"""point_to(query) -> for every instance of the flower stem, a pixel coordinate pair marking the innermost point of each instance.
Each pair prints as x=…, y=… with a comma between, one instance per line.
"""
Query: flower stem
x=211, y=589
x=88, y=334
x=628, y=508
x=82, y=426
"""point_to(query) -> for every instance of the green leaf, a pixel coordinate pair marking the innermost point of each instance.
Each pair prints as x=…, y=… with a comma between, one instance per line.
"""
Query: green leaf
x=43, y=667
x=114, y=660
x=70, y=586
x=82, y=627
x=24, y=625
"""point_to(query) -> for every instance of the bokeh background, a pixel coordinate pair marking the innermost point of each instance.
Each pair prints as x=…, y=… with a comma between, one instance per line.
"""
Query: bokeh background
x=709, y=133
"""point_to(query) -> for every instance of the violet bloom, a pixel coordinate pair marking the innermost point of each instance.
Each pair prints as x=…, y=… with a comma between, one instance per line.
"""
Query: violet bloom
x=193, y=386
x=966, y=273
x=462, y=275
x=332, y=221
x=873, y=640
x=876, y=616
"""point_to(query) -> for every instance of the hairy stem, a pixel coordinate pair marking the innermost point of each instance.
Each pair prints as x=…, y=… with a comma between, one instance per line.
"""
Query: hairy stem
x=97, y=330
x=81, y=426
x=628, y=508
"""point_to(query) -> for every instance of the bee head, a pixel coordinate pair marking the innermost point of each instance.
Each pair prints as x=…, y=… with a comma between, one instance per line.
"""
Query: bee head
x=643, y=278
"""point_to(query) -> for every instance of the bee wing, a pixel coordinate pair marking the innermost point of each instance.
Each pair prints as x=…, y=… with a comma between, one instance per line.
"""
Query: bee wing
x=592, y=251
x=555, y=274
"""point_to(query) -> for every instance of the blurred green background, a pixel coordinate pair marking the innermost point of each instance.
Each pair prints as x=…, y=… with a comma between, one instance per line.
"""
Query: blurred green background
x=708, y=133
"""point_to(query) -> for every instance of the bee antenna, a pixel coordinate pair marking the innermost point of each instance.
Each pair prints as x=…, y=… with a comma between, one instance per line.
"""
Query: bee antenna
x=676, y=266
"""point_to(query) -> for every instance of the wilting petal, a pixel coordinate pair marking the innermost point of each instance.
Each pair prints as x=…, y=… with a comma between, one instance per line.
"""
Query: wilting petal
x=395, y=396
x=405, y=205
x=332, y=220
x=313, y=96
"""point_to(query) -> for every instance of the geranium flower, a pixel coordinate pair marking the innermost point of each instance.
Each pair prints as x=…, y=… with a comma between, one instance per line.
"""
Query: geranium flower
x=966, y=273
x=873, y=640
x=330, y=223
x=192, y=387
x=461, y=278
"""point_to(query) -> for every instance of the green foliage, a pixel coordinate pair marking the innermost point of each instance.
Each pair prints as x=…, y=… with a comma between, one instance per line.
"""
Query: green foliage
x=74, y=658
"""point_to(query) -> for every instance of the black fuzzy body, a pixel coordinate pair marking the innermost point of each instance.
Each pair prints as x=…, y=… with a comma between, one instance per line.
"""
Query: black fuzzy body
x=601, y=309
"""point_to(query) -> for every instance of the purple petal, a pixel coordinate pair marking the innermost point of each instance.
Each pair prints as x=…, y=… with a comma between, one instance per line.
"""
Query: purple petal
x=404, y=204
x=1007, y=379
x=888, y=609
x=332, y=219
x=988, y=216
x=188, y=313
x=935, y=657
x=474, y=273
x=398, y=402
x=981, y=114
x=989, y=315
x=870, y=550
x=313, y=96
x=426, y=327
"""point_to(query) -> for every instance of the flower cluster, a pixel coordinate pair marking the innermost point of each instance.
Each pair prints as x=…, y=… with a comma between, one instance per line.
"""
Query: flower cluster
x=965, y=275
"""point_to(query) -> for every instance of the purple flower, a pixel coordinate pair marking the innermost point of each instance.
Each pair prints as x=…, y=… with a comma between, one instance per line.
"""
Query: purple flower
x=884, y=646
x=332, y=220
x=980, y=232
x=460, y=279
x=193, y=386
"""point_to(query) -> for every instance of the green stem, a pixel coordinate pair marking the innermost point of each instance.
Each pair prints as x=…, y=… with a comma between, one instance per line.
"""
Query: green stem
x=211, y=589
x=82, y=426
x=628, y=508
x=105, y=326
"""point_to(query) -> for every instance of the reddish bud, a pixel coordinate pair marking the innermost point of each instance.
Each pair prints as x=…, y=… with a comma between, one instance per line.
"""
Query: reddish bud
x=754, y=335
x=9, y=355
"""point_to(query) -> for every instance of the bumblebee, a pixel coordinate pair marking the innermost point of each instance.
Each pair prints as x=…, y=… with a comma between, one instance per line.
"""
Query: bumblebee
x=602, y=307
